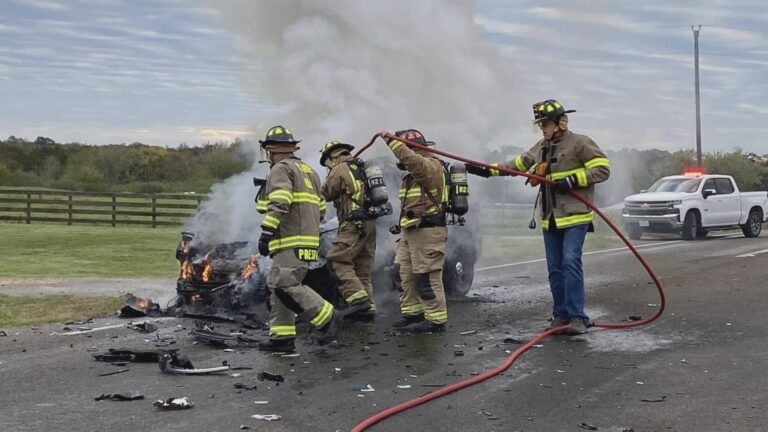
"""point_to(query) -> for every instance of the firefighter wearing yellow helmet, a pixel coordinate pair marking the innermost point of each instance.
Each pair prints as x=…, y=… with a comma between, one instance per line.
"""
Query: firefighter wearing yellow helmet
x=574, y=162
x=352, y=253
x=421, y=249
x=290, y=234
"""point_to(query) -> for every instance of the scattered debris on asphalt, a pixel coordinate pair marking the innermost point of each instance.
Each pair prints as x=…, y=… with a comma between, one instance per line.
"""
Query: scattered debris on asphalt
x=635, y=317
x=129, y=355
x=138, y=307
x=3, y=333
x=171, y=363
x=261, y=402
x=363, y=388
x=659, y=399
x=458, y=353
x=145, y=327
x=210, y=337
x=468, y=332
x=404, y=386
x=119, y=371
x=245, y=386
x=172, y=404
x=120, y=396
x=267, y=417
x=587, y=426
x=266, y=376
x=510, y=340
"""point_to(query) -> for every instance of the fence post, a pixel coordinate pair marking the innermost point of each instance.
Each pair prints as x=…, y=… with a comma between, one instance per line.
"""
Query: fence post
x=29, y=208
x=69, y=208
x=114, y=210
x=154, y=210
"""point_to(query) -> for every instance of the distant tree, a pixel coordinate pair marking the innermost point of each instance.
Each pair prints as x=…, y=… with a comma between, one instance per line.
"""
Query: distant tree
x=748, y=175
x=4, y=174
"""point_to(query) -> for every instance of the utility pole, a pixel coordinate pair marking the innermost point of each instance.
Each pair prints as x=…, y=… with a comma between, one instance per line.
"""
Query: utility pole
x=696, y=31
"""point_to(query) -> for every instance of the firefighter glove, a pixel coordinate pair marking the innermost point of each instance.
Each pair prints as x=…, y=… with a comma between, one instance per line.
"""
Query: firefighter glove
x=395, y=229
x=266, y=237
x=478, y=171
x=566, y=184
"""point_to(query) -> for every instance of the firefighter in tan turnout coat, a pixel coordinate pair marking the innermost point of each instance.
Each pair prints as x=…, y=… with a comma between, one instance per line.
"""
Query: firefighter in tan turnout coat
x=352, y=252
x=290, y=234
x=421, y=250
x=574, y=162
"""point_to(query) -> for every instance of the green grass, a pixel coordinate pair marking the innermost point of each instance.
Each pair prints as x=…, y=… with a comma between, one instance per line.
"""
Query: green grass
x=20, y=311
x=61, y=251
x=502, y=249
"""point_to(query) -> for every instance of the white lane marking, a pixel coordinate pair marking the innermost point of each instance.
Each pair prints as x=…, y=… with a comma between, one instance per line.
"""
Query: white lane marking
x=586, y=253
x=751, y=254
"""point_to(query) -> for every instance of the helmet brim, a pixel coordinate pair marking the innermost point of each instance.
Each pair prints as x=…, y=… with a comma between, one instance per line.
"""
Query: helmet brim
x=265, y=143
x=327, y=152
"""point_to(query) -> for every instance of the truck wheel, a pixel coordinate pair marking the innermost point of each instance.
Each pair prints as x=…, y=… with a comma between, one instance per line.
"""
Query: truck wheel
x=754, y=224
x=634, y=231
x=691, y=226
x=459, y=272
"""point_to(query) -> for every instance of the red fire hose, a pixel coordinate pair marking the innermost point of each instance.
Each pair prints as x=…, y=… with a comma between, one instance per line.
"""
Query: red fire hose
x=525, y=347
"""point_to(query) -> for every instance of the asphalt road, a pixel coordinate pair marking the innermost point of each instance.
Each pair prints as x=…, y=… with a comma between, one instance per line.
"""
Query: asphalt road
x=701, y=367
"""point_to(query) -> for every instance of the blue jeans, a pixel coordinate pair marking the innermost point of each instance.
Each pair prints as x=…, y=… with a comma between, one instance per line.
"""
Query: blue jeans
x=566, y=277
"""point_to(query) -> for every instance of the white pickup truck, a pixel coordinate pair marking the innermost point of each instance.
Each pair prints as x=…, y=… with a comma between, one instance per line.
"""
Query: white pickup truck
x=693, y=205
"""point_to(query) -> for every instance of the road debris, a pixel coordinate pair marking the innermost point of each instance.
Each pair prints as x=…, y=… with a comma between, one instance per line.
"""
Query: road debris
x=205, y=335
x=129, y=355
x=145, y=327
x=3, y=333
x=261, y=402
x=171, y=363
x=245, y=386
x=363, y=388
x=468, y=332
x=266, y=376
x=458, y=353
x=587, y=426
x=173, y=404
x=405, y=386
x=120, y=396
x=660, y=399
x=515, y=341
x=138, y=307
x=267, y=417
x=114, y=372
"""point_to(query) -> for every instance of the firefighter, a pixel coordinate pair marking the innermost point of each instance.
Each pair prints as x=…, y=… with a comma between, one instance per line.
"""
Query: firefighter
x=574, y=162
x=290, y=234
x=421, y=250
x=352, y=253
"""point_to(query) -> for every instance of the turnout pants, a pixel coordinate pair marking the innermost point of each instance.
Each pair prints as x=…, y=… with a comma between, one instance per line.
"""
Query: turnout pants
x=421, y=256
x=351, y=257
x=289, y=297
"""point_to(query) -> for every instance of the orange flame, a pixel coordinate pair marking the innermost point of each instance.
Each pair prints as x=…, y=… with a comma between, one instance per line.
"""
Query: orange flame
x=186, y=270
x=208, y=270
x=250, y=267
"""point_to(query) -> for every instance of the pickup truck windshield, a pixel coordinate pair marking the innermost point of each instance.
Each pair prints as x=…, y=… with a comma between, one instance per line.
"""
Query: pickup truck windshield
x=676, y=185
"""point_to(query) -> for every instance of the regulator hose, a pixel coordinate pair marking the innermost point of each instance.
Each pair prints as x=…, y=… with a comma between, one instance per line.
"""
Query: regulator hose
x=370, y=421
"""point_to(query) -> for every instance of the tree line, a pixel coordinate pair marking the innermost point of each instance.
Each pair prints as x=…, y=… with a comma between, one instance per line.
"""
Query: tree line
x=118, y=167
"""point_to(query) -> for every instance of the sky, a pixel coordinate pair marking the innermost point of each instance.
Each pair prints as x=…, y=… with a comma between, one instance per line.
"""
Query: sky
x=172, y=71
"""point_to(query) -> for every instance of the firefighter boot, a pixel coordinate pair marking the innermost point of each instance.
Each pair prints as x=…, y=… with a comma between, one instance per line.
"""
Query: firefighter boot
x=328, y=332
x=406, y=320
x=357, y=307
x=278, y=345
x=577, y=327
x=429, y=327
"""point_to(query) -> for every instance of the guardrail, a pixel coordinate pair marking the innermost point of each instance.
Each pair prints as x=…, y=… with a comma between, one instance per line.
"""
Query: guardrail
x=27, y=206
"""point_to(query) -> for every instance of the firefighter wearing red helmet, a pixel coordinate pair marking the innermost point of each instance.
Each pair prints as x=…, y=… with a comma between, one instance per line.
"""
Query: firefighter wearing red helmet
x=421, y=250
x=574, y=162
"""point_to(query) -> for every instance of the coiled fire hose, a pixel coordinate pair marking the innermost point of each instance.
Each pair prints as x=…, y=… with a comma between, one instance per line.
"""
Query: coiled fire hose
x=370, y=421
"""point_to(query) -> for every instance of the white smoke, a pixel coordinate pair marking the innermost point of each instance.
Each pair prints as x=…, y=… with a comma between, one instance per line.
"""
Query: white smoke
x=343, y=69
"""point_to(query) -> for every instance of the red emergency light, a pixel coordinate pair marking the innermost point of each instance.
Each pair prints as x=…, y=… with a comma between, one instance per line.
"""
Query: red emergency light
x=693, y=171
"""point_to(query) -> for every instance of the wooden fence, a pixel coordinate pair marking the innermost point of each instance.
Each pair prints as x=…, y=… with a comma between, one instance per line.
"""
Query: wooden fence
x=27, y=206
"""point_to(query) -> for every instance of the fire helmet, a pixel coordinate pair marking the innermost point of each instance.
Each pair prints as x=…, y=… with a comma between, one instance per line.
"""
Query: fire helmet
x=330, y=147
x=278, y=135
x=549, y=109
x=412, y=135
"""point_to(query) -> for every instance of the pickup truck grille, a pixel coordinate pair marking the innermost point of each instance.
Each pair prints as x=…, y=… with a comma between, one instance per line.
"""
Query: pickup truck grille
x=640, y=208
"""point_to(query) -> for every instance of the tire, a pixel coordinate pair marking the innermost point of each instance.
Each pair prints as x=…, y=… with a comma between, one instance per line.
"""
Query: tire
x=691, y=226
x=634, y=231
x=754, y=224
x=459, y=271
x=702, y=233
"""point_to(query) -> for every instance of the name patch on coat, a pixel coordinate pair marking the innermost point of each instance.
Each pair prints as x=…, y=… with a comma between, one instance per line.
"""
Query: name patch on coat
x=306, y=254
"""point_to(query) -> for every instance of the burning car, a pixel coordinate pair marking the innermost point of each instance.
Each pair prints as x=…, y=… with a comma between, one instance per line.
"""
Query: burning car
x=228, y=280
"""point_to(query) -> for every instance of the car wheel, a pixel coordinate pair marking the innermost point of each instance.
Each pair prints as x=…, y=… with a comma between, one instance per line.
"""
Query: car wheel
x=691, y=226
x=702, y=233
x=754, y=224
x=459, y=272
x=634, y=231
